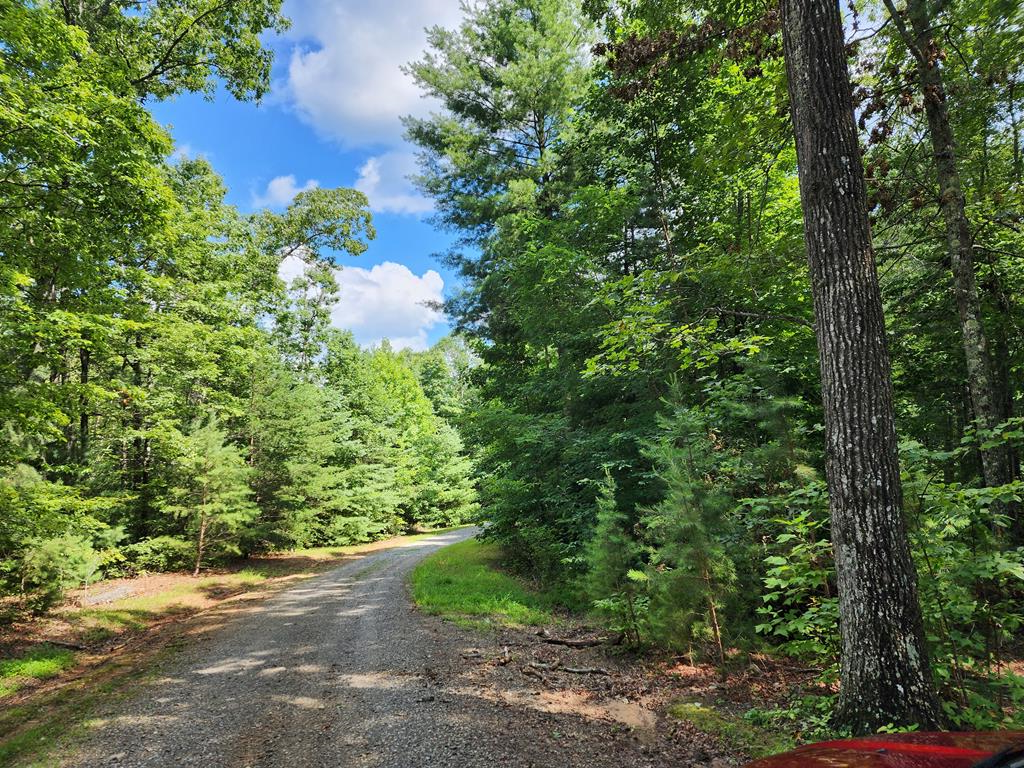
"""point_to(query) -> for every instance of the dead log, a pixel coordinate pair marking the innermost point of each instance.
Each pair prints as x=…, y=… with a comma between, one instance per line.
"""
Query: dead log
x=569, y=642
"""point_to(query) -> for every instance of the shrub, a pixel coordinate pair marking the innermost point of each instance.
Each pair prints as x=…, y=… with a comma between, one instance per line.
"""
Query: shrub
x=51, y=566
x=158, y=555
x=971, y=584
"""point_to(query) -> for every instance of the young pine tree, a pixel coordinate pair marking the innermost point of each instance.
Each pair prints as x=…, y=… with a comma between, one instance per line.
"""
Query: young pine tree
x=615, y=581
x=691, y=571
x=211, y=494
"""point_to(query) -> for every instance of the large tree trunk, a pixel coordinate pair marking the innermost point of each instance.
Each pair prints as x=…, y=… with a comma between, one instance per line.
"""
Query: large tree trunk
x=885, y=677
x=981, y=381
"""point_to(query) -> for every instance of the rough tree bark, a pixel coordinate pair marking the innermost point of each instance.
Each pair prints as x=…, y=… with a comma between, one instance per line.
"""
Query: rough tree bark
x=885, y=673
x=981, y=381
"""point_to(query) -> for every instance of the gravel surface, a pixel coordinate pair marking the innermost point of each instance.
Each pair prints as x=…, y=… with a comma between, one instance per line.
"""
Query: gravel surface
x=343, y=671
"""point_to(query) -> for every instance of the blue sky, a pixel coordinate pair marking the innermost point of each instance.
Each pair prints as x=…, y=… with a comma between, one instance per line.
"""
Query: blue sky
x=333, y=119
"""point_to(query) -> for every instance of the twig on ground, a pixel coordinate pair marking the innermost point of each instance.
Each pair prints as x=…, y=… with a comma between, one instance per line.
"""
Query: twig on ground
x=587, y=671
x=531, y=672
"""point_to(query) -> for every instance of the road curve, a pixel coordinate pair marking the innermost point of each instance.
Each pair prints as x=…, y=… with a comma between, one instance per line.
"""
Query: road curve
x=340, y=671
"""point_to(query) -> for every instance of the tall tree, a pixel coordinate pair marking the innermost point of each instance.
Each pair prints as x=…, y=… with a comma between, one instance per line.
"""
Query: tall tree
x=167, y=48
x=885, y=675
x=922, y=40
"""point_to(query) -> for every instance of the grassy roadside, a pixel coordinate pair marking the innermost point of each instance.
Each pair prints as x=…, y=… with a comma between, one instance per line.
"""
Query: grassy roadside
x=58, y=669
x=465, y=584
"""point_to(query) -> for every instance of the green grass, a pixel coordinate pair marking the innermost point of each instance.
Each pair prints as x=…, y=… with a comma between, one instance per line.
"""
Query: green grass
x=40, y=663
x=464, y=583
x=750, y=739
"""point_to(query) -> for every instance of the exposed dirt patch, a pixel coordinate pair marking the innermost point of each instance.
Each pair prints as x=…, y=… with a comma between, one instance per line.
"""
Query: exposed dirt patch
x=604, y=684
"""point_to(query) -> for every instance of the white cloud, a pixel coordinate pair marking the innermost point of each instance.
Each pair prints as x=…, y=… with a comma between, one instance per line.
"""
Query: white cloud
x=387, y=301
x=384, y=179
x=281, y=191
x=344, y=74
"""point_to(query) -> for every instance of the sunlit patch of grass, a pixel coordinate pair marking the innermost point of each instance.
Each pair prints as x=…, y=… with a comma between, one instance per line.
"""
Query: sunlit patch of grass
x=464, y=583
x=250, y=577
x=40, y=663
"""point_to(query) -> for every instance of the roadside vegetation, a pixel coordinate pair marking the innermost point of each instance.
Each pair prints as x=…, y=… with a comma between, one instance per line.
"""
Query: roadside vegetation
x=41, y=663
x=465, y=583
x=652, y=389
x=741, y=732
x=173, y=394
x=672, y=416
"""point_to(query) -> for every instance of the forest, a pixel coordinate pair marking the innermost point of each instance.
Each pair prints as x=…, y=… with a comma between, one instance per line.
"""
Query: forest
x=168, y=401
x=736, y=358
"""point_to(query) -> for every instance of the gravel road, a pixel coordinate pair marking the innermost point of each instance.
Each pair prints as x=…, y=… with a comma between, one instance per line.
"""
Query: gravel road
x=341, y=671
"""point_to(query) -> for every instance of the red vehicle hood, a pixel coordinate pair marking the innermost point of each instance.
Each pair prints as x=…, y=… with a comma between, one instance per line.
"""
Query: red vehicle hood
x=903, y=750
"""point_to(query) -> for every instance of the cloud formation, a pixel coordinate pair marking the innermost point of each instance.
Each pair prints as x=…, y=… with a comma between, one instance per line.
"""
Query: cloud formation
x=344, y=73
x=384, y=179
x=344, y=78
x=281, y=191
x=387, y=301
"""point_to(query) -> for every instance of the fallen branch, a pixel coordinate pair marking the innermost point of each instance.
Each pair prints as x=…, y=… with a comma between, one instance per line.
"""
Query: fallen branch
x=546, y=667
x=587, y=671
x=569, y=643
x=63, y=644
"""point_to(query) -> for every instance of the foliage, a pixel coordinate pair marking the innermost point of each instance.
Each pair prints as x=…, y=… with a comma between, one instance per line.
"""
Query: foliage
x=801, y=609
x=634, y=287
x=211, y=495
x=970, y=586
x=51, y=566
x=743, y=734
x=160, y=554
x=691, y=570
x=615, y=581
x=165, y=393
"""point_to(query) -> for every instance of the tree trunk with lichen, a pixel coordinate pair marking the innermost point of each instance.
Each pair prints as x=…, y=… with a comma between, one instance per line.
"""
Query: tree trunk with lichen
x=996, y=461
x=885, y=673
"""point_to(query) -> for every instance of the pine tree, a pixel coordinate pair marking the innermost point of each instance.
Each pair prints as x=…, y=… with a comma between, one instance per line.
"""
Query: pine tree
x=211, y=495
x=615, y=581
x=692, y=572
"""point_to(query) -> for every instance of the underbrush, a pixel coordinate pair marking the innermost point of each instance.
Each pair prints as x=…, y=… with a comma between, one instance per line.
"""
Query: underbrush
x=749, y=734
